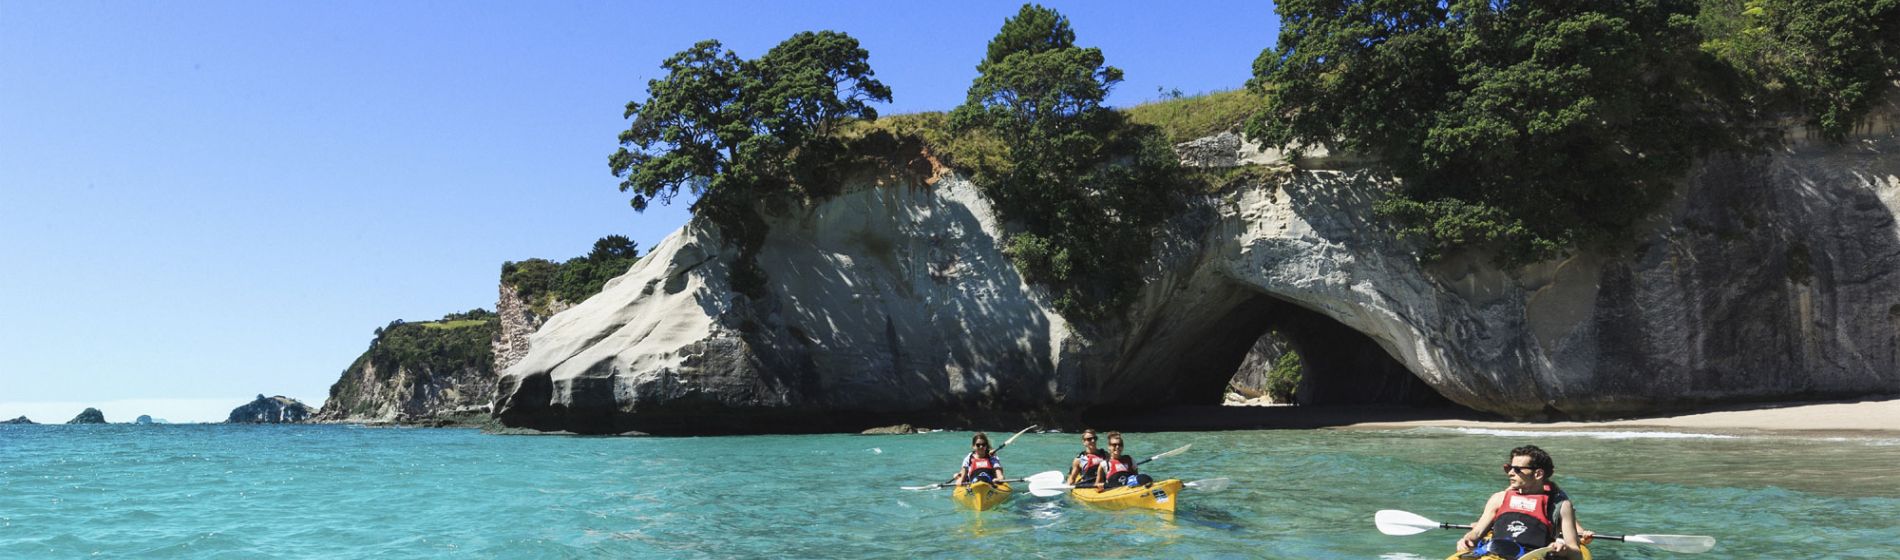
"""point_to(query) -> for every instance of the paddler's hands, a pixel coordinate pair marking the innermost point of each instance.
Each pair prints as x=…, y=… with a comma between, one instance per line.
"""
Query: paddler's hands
x=1100, y=487
x=1559, y=547
x=1467, y=542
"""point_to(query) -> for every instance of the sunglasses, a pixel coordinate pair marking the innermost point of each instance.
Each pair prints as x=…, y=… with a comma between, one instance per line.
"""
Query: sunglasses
x=1088, y=439
x=1114, y=444
x=1520, y=470
x=980, y=445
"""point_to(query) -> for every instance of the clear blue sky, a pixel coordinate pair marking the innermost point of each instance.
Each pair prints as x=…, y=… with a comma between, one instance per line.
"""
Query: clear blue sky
x=204, y=201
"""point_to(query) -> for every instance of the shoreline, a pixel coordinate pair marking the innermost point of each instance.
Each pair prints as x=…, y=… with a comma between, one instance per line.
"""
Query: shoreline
x=1868, y=417
x=1874, y=416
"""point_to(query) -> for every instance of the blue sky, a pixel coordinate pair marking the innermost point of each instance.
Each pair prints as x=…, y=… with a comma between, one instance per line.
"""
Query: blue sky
x=204, y=201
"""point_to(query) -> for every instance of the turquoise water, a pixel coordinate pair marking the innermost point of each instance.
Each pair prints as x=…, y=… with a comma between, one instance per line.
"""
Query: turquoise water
x=185, y=491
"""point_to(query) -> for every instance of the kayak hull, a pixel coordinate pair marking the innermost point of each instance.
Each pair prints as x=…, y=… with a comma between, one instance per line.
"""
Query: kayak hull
x=1534, y=555
x=981, y=496
x=1159, y=495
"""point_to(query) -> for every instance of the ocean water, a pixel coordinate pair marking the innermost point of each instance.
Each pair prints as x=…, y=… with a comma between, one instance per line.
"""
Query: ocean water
x=212, y=491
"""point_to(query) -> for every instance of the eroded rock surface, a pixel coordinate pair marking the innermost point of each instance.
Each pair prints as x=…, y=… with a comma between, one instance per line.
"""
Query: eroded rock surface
x=1772, y=276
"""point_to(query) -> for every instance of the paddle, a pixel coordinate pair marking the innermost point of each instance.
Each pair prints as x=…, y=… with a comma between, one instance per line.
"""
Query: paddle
x=993, y=452
x=1395, y=522
x=949, y=484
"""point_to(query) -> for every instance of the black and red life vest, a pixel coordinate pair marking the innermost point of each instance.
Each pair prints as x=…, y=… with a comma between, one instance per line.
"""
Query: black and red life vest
x=1530, y=520
x=1089, y=463
x=982, y=468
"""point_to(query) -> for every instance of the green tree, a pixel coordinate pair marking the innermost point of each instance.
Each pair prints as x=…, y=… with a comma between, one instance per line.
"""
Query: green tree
x=730, y=130
x=1829, y=60
x=1526, y=127
x=1086, y=186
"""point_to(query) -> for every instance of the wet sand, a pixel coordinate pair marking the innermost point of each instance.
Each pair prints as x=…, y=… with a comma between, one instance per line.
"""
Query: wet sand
x=1865, y=416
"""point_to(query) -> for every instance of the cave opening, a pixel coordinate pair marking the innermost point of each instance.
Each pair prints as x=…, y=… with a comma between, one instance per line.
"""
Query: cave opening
x=1337, y=365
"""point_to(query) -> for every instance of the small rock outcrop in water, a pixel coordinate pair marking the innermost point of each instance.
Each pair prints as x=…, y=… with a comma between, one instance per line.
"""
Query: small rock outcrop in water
x=20, y=420
x=88, y=416
x=271, y=410
x=148, y=419
x=900, y=429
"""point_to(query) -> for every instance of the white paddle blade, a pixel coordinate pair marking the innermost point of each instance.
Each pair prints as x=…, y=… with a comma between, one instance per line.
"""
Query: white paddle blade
x=1401, y=523
x=1689, y=544
x=1047, y=484
x=1209, y=484
x=924, y=487
x=1045, y=477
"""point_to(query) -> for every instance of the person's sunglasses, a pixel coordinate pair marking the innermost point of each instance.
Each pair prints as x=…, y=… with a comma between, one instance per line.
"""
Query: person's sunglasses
x=1088, y=439
x=982, y=445
x=1520, y=470
x=1114, y=444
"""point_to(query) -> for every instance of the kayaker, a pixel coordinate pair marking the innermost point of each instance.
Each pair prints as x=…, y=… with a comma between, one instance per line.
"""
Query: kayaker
x=980, y=464
x=1529, y=514
x=1088, y=463
x=1118, y=470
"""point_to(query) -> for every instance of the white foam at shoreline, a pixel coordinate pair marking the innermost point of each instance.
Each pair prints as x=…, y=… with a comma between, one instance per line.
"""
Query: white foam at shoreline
x=1599, y=434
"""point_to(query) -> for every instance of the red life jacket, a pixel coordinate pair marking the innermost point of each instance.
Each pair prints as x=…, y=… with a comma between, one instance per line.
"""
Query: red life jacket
x=1528, y=519
x=1120, y=466
x=1090, y=462
x=982, y=465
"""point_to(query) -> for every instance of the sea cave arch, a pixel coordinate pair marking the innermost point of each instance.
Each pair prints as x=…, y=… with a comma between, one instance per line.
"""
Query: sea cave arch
x=1342, y=366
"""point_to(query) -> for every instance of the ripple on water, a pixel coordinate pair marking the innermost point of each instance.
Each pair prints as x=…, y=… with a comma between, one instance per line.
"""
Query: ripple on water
x=333, y=491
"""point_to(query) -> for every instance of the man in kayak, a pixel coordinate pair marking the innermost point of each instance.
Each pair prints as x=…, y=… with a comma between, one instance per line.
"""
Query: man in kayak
x=1088, y=463
x=980, y=464
x=1119, y=469
x=1529, y=514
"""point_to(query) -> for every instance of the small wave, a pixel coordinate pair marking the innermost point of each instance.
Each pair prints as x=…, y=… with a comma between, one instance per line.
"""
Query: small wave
x=1599, y=434
x=877, y=451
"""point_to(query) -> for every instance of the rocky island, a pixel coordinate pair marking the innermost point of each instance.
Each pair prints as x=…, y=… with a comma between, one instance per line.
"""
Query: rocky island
x=88, y=416
x=271, y=410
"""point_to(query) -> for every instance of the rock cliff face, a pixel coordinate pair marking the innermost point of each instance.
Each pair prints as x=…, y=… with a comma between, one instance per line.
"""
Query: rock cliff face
x=1773, y=276
x=271, y=410
x=518, y=320
x=414, y=372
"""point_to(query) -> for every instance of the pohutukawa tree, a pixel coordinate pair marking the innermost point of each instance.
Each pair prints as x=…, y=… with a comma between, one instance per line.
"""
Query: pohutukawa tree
x=727, y=129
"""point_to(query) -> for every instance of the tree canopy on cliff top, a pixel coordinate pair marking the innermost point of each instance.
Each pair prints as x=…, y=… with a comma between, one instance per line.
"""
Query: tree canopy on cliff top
x=1535, y=127
x=1087, y=186
x=728, y=129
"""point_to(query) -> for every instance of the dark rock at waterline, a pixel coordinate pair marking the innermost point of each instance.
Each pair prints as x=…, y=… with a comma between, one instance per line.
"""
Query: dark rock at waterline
x=271, y=410
x=20, y=420
x=148, y=419
x=89, y=416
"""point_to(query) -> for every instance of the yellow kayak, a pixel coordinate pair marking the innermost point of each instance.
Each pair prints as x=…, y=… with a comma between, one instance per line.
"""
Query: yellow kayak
x=1533, y=555
x=1158, y=495
x=981, y=495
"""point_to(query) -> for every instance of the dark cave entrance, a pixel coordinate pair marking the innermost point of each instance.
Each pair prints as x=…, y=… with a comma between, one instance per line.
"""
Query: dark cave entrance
x=1339, y=366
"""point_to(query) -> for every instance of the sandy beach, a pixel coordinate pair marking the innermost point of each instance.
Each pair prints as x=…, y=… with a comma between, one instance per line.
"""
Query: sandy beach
x=1868, y=416
x=1881, y=416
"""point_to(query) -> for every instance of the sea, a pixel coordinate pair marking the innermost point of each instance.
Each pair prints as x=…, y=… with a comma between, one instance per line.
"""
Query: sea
x=338, y=491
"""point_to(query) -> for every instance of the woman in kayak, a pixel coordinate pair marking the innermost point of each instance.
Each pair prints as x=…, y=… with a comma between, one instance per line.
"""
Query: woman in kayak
x=980, y=464
x=1088, y=463
x=1529, y=514
x=1119, y=469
